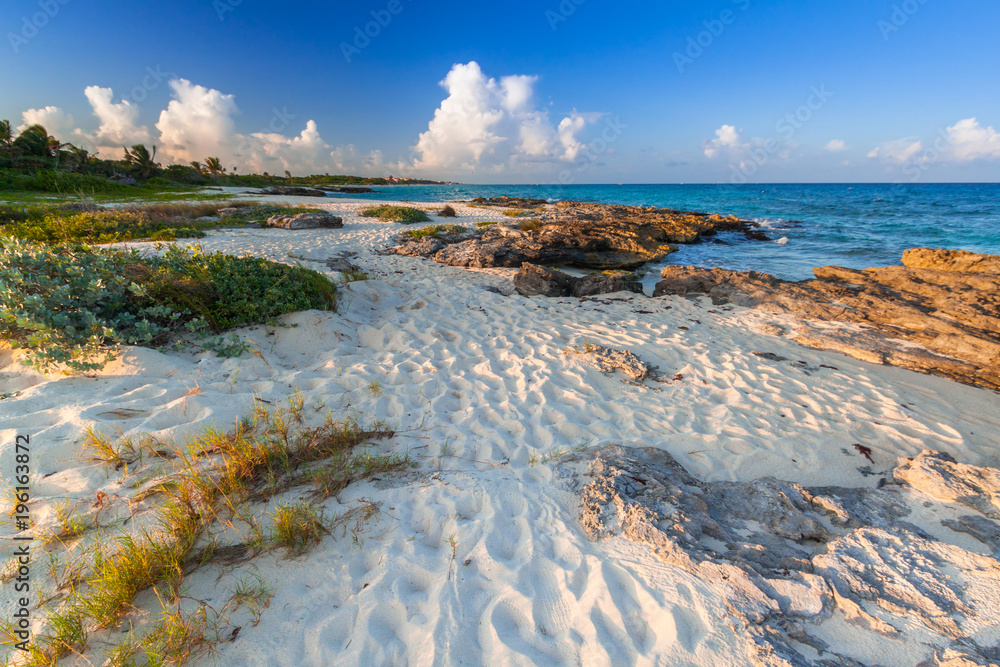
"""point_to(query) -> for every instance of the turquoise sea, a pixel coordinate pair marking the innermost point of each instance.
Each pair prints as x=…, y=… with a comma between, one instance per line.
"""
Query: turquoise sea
x=855, y=226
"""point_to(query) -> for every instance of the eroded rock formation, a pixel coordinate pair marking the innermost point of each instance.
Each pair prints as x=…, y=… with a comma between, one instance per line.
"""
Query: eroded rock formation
x=946, y=302
x=310, y=220
x=593, y=236
x=787, y=557
x=533, y=280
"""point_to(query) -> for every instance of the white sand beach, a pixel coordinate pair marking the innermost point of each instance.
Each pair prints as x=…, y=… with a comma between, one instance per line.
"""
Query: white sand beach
x=478, y=556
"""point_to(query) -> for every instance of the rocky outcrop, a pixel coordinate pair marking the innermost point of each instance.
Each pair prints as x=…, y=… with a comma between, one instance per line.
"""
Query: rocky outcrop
x=311, y=220
x=952, y=314
x=785, y=556
x=593, y=236
x=951, y=260
x=293, y=192
x=509, y=202
x=533, y=280
x=346, y=189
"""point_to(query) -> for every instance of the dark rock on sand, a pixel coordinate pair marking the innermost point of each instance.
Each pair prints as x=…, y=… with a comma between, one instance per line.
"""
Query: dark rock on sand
x=946, y=302
x=346, y=189
x=311, y=220
x=534, y=280
x=593, y=236
x=785, y=556
x=294, y=192
x=510, y=202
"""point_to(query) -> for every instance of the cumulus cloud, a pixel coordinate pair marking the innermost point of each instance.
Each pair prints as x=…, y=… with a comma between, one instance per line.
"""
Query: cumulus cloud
x=58, y=123
x=495, y=125
x=198, y=123
x=119, y=124
x=971, y=141
x=726, y=138
x=897, y=152
x=836, y=146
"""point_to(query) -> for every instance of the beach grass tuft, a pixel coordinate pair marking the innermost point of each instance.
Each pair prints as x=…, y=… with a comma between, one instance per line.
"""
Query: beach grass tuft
x=211, y=481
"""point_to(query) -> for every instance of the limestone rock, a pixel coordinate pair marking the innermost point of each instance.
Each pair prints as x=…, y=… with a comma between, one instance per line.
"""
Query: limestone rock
x=951, y=260
x=939, y=476
x=594, y=236
x=608, y=361
x=311, y=220
x=952, y=316
x=293, y=192
x=784, y=556
x=533, y=280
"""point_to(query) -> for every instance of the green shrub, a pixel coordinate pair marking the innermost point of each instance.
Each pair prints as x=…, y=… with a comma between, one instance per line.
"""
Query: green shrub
x=402, y=214
x=259, y=213
x=516, y=213
x=435, y=231
x=157, y=222
x=68, y=304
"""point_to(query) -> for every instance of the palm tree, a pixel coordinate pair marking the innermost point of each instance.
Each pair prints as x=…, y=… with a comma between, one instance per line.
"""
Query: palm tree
x=34, y=140
x=214, y=167
x=198, y=166
x=5, y=135
x=142, y=161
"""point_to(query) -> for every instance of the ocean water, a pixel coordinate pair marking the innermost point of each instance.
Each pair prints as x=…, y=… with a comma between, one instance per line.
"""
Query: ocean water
x=855, y=226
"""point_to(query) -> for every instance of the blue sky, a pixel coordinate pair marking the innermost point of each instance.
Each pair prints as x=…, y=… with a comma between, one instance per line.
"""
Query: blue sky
x=602, y=92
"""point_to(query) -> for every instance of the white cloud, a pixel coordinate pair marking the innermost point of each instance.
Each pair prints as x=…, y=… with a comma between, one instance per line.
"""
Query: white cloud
x=726, y=138
x=494, y=124
x=836, y=146
x=971, y=141
x=897, y=152
x=119, y=125
x=198, y=123
x=58, y=123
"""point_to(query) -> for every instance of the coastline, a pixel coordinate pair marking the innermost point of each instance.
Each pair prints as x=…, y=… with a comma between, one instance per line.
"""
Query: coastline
x=478, y=382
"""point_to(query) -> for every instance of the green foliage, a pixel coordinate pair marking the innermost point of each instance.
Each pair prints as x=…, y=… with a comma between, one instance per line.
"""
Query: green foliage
x=259, y=213
x=67, y=304
x=299, y=527
x=50, y=180
x=531, y=225
x=516, y=213
x=142, y=161
x=34, y=140
x=402, y=214
x=435, y=231
x=484, y=225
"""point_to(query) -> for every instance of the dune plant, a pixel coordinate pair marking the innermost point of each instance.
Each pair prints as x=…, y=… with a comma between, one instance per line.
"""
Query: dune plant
x=435, y=231
x=402, y=214
x=75, y=305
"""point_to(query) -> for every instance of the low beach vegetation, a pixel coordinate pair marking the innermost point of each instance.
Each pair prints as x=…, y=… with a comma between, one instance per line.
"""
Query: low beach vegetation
x=212, y=507
x=402, y=214
x=75, y=304
x=435, y=231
